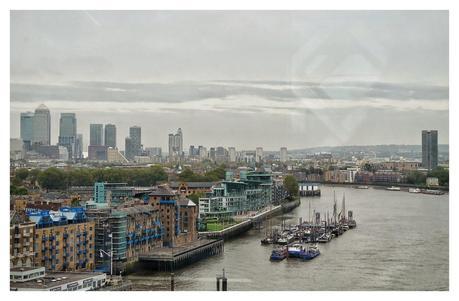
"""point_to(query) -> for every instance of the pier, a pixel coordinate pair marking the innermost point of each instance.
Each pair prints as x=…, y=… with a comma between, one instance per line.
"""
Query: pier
x=309, y=189
x=169, y=259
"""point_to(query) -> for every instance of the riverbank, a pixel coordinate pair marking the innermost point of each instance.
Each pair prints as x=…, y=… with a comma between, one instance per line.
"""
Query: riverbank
x=244, y=226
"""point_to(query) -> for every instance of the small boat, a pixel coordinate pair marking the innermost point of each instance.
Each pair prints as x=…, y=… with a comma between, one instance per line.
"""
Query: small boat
x=361, y=187
x=267, y=241
x=414, y=190
x=310, y=253
x=286, y=239
x=279, y=254
x=393, y=188
x=434, y=192
x=326, y=237
x=352, y=224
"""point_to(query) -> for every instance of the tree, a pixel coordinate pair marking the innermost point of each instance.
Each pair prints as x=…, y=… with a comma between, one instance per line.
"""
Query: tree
x=194, y=197
x=442, y=174
x=416, y=178
x=52, y=178
x=291, y=185
x=21, y=174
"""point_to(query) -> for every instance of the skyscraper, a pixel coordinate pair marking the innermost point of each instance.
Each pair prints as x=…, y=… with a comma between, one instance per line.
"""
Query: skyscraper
x=232, y=154
x=283, y=154
x=96, y=134
x=68, y=132
x=42, y=126
x=430, y=149
x=176, y=146
x=135, y=133
x=259, y=154
x=27, y=128
x=129, y=149
x=79, y=147
x=110, y=135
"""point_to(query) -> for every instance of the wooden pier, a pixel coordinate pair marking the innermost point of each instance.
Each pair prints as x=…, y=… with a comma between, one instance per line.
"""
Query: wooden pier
x=169, y=259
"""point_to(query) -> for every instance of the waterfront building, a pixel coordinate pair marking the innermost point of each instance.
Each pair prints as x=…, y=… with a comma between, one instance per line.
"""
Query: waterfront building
x=63, y=240
x=110, y=135
x=68, y=133
x=35, y=279
x=41, y=126
x=96, y=134
x=184, y=189
x=178, y=216
x=403, y=166
x=283, y=154
x=232, y=154
x=176, y=146
x=21, y=245
x=258, y=154
x=114, y=155
x=430, y=149
x=26, y=128
x=387, y=177
x=252, y=192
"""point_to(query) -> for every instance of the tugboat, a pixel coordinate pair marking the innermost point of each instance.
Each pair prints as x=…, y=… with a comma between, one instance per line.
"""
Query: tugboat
x=310, y=253
x=279, y=254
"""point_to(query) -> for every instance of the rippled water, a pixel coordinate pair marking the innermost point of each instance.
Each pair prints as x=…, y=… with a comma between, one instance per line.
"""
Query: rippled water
x=400, y=243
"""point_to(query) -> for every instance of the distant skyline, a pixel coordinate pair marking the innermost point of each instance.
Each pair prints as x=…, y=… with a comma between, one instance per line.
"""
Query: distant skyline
x=237, y=78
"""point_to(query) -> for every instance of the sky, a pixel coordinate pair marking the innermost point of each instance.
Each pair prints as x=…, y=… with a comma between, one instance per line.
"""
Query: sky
x=236, y=78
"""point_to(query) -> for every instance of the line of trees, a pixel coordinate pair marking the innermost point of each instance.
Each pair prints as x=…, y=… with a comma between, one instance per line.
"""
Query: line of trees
x=187, y=175
x=54, y=178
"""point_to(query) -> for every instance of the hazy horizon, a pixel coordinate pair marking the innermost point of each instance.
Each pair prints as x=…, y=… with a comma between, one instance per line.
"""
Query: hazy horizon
x=298, y=79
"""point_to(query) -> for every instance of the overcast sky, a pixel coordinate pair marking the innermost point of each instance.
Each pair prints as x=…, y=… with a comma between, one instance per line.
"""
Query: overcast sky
x=245, y=79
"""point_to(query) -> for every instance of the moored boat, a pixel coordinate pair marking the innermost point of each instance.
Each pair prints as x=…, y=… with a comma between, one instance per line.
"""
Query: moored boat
x=393, y=188
x=279, y=254
x=414, y=190
x=310, y=252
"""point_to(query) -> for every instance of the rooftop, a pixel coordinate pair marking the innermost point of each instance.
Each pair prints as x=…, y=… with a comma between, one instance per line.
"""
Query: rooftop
x=53, y=279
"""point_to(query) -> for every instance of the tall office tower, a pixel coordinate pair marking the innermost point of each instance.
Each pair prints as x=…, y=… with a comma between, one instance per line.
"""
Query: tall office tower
x=110, y=135
x=202, y=152
x=179, y=142
x=212, y=154
x=135, y=133
x=232, y=154
x=27, y=129
x=259, y=154
x=221, y=154
x=283, y=154
x=430, y=149
x=68, y=133
x=176, y=146
x=79, y=147
x=129, y=151
x=42, y=126
x=191, y=152
x=96, y=134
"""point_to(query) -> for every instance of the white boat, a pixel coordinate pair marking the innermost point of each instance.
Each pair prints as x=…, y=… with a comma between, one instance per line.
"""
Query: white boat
x=393, y=188
x=414, y=190
x=362, y=187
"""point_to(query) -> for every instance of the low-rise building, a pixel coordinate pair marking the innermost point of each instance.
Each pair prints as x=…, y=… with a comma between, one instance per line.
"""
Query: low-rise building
x=36, y=279
x=21, y=245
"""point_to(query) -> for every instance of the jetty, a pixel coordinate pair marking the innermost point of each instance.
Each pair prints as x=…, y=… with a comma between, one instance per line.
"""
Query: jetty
x=169, y=259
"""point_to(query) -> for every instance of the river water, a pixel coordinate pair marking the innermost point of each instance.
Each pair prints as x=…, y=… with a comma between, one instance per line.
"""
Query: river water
x=401, y=243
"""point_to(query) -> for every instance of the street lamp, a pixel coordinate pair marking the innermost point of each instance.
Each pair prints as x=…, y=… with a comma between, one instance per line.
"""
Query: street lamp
x=102, y=252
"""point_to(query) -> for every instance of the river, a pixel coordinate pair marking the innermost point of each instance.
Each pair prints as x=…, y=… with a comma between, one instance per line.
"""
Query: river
x=401, y=243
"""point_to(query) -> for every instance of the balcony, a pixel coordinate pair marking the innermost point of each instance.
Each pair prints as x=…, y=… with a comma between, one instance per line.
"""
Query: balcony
x=17, y=235
x=26, y=234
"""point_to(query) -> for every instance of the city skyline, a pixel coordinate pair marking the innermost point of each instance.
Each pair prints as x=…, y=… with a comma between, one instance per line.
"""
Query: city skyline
x=383, y=82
